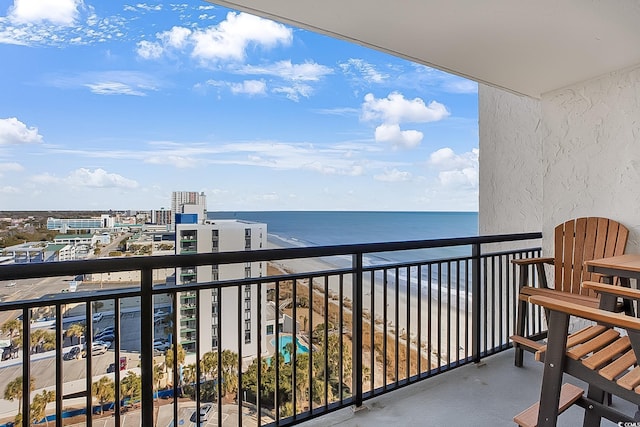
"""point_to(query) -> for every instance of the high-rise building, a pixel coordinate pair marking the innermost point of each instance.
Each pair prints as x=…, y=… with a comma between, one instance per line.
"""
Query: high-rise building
x=221, y=236
x=161, y=217
x=189, y=202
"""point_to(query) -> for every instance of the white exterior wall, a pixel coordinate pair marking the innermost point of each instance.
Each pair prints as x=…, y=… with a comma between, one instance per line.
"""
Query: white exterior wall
x=510, y=163
x=582, y=158
x=231, y=237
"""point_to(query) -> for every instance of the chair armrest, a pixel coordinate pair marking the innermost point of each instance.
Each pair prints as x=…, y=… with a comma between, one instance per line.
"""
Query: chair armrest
x=529, y=261
x=621, y=291
x=620, y=320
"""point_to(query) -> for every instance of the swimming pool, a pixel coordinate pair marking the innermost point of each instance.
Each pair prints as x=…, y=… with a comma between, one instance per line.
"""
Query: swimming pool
x=288, y=339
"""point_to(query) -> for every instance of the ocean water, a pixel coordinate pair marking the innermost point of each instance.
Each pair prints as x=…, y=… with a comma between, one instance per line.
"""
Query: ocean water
x=313, y=228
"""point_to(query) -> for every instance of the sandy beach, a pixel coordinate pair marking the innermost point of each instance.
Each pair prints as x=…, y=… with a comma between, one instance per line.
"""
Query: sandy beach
x=442, y=337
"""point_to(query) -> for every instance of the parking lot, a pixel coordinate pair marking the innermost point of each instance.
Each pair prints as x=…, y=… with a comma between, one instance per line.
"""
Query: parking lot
x=43, y=365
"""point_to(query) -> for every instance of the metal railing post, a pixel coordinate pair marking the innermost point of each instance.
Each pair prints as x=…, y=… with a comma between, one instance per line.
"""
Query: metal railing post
x=146, y=346
x=356, y=325
x=476, y=318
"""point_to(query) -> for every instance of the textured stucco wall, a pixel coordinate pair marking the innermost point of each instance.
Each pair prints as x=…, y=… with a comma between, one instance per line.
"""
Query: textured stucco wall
x=592, y=152
x=575, y=152
x=510, y=162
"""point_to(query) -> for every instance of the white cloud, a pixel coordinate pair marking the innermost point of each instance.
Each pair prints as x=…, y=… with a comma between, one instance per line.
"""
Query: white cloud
x=307, y=71
x=7, y=189
x=109, y=83
x=393, y=175
x=226, y=41
x=396, y=109
x=59, y=12
x=176, y=38
x=10, y=167
x=114, y=88
x=177, y=161
x=365, y=70
x=13, y=131
x=144, y=6
x=249, y=87
x=149, y=50
x=398, y=138
x=460, y=85
x=456, y=169
x=99, y=178
x=83, y=177
x=295, y=91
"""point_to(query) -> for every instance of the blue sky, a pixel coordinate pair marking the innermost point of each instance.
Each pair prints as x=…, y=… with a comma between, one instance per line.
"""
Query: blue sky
x=114, y=105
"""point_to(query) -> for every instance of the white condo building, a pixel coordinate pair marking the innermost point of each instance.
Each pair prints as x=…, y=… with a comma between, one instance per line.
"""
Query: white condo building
x=221, y=236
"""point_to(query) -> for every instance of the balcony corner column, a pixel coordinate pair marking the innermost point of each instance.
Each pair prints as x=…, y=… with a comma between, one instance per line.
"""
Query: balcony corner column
x=146, y=346
x=356, y=326
x=476, y=317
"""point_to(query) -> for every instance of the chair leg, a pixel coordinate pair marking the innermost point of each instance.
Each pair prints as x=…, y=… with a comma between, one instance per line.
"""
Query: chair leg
x=520, y=331
x=598, y=395
x=553, y=369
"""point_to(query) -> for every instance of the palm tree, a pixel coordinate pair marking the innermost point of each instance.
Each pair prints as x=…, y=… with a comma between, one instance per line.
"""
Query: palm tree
x=189, y=373
x=76, y=330
x=302, y=379
x=104, y=390
x=44, y=337
x=13, y=391
x=132, y=387
x=12, y=325
x=158, y=374
x=39, y=405
x=229, y=370
x=169, y=357
x=209, y=363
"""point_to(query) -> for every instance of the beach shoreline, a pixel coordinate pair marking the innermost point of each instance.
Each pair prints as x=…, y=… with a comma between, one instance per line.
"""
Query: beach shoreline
x=439, y=324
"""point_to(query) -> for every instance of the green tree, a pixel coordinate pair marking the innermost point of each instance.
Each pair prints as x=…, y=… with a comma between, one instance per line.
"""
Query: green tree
x=131, y=387
x=104, y=390
x=158, y=375
x=76, y=330
x=13, y=326
x=209, y=364
x=168, y=357
x=39, y=406
x=13, y=391
x=229, y=370
x=44, y=337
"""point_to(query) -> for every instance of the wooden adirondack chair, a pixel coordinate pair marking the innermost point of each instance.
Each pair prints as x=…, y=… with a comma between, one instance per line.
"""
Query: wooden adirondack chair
x=599, y=355
x=575, y=241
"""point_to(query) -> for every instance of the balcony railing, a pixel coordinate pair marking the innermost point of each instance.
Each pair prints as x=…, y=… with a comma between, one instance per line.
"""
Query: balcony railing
x=358, y=331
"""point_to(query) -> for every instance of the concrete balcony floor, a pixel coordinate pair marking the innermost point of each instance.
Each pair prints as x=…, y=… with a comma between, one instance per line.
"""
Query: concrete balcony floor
x=488, y=394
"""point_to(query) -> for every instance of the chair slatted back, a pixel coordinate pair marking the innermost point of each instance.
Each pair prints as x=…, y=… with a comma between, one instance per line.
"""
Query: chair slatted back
x=583, y=239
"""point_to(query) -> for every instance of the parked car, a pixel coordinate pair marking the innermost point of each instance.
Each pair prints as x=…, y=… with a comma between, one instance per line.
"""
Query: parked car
x=97, y=348
x=205, y=409
x=161, y=345
x=105, y=337
x=123, y=365
x=97, y=317
x=108, y=330
x=74, y=353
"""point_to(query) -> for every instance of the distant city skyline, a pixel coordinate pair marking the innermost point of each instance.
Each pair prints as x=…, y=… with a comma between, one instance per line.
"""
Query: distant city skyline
x=112, y=105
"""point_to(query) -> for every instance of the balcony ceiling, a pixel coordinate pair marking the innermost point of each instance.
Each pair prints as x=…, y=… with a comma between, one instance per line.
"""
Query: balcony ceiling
x=527, y=47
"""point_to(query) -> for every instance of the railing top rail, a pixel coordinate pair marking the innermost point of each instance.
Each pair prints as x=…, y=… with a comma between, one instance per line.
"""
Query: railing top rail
x=106, y=265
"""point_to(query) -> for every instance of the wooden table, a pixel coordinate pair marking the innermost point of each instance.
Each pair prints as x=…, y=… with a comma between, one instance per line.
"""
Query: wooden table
x=623, y=266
